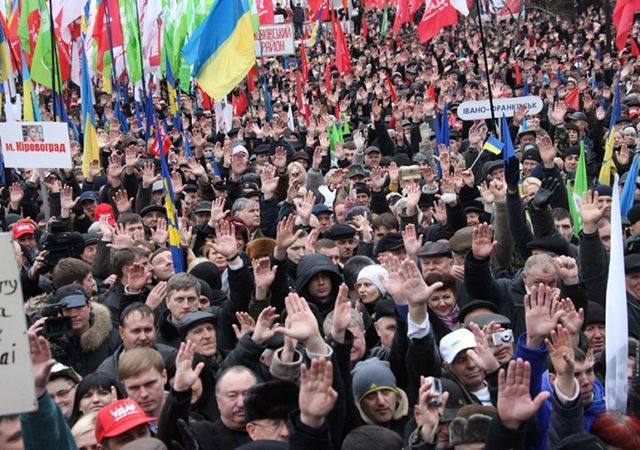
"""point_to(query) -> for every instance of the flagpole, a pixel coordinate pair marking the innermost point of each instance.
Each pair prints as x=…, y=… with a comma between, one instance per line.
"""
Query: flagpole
x=486, y=64
x=144, y=88
x=53, y=60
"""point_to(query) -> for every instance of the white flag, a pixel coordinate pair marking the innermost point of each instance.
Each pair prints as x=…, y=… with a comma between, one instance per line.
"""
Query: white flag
x=461, y=6
x=617, y=340
x=290, y=119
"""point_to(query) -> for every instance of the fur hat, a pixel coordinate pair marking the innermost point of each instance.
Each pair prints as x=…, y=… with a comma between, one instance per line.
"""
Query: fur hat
x=469, y=431
x=260, y=247
x=271, y=400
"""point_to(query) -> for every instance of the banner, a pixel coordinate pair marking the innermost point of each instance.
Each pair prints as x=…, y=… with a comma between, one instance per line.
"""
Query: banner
x=480, y=109
x=38, y=145
x=16, y=374
x=275, y=40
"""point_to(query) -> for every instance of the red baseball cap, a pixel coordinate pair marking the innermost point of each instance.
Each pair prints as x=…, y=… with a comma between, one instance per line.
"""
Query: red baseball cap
x=119, y=417
x=104, y=209
x=22, y=228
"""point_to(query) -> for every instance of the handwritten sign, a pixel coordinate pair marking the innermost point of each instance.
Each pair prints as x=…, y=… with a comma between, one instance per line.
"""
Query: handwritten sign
x=41, y=145
x=480, y=109
x=16, y=374
x=274, y=40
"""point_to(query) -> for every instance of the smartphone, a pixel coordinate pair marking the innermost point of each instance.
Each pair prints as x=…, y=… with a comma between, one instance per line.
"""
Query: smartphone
x=436, y=387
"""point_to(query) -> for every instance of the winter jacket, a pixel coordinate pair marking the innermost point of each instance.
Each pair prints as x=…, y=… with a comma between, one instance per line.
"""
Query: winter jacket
x=46, y=428
x=86, y=352
x=110, y=365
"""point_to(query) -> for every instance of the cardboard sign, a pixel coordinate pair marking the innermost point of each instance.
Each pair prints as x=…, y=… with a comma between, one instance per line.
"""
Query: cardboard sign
x=480, y=109
x=274, y=40
x=37, y=145
x=16, y=374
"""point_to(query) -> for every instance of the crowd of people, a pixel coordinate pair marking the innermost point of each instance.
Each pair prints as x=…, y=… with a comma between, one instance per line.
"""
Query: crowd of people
x=382, y=290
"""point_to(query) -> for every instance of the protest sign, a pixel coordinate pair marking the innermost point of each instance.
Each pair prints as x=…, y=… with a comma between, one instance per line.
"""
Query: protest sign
x=38, y=145
x=274, y=40
x=16, y=375
x=480, y=109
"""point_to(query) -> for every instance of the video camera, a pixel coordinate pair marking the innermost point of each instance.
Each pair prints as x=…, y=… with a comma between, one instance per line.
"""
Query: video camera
x=60, y=243
x=56, y=325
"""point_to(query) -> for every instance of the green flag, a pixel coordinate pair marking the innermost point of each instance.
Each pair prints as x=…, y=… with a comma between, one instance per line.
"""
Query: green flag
x=334, y=136
x=383, y=26
x=345, y=125
x=580, y=186
x=255, y=15
x=130, y=29
x=42, y=62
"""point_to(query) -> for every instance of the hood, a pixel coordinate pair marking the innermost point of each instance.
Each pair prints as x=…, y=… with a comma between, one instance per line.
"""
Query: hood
x=311, y=265
x=402, y=409
x=99, y=330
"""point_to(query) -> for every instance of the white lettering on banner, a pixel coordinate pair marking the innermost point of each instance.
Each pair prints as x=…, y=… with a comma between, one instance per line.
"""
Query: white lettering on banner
x=481, y=109
x=16, y=374
x=41, y=145
x=274, y=40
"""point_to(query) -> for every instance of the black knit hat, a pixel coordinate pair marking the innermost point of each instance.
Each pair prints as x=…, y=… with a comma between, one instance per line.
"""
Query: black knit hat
x=271, y=400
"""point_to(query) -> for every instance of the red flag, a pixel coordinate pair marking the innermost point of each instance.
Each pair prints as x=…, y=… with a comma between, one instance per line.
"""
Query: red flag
x=100, y=33
x=206, y=100
x=302, y=106
x=431, y=92
x=414, y=6
x=304, y=65
x=572, y=99
x=402, y=16
x=327, y=77
x=363, y=32
x=315, y=7
x=437, y=15
x=518, y=75
x=634, y=48
x=251, y=79
x=623, y=20
x=265, y=12
x=239, y=103
x=394, y=96
x=343, y=59
x=166, y=144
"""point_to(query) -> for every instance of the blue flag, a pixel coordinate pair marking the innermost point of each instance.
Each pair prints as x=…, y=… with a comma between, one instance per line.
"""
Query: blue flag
x=444, y=133
x=187, y=147
x=170, y=206
x=267, y=98
x=629, y=189
x=136, y=107
x=436, y=151
x=508, y=150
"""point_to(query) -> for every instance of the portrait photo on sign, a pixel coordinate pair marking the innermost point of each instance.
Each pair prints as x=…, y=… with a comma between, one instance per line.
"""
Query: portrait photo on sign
x=33, y=133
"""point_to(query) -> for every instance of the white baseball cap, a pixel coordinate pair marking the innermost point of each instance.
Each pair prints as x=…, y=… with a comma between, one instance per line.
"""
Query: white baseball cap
x=455, y=342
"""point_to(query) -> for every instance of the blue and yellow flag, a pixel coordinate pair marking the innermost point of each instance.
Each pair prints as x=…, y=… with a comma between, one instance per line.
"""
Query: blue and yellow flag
x=170, y=206
x=608, y=166
x=493, y=145
x=174, y=106
x=5, y=64
x=221, y=49
x=90, y=149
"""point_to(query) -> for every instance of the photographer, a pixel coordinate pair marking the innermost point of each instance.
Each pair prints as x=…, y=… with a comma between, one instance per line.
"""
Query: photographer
x=87, y=337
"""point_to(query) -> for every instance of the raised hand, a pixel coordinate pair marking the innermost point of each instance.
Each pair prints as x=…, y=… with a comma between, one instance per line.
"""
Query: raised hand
x=560, y=348
x=393, y=284
x=263, y=275
x=16, y=194
x=482, y=356
x=41, y=362
x=567, y=269
x=413, y=198
x=186, y=375
x=310, y=242
x=122, y=201
x=217, y=211
x=225, y=242
x=547, y=150
x=538, y=317
x=264, y=327
x=415, y=289
x=279, y=159
x=304, y=205
x=136, y=277
x=66, y=199
x=114, y=171
x=269, y=181
x=341, y=314
x=412, y=242
x=515, y=405
x=157, y=295
x=483, y=244
x=317, y=397
x=302, y=324
x=285, y=237
x=185, y=230
x=160, y=235
x=378, y=179
x=547, y=189
x=571, y=318
x=426, y=413
x=148, y=175
x=591, y=212
x=246, y=324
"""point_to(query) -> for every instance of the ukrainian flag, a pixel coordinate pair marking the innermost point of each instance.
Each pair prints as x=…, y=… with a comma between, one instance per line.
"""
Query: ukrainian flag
x=170, y=206
x=171, y=90
x=5, y=64
x=493, y=145
x=30, y=111
x=221, y=49
x=91, y=151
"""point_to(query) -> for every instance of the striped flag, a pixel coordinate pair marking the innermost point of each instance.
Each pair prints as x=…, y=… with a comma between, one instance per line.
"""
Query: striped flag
x=91, y=151
x=617, y=339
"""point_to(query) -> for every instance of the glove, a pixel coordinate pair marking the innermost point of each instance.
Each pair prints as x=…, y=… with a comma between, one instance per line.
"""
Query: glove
x=512, y=173
x=425, y=132
x=358, y=140
x=547, y=189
